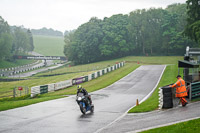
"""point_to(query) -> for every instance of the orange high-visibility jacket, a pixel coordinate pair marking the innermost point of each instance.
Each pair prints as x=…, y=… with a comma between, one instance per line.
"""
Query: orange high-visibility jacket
x=180, y=88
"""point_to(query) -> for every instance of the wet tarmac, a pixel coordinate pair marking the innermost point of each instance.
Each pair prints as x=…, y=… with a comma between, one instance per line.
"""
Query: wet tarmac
x=64, y=116
x=138, y=122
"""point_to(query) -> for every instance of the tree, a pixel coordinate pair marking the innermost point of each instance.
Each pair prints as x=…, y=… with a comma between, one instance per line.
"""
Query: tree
x=142, y=32
x=5, y=40
x=82, y=45
x=5, y=46
x=21, y=41
x=47, y=32
x=30, y=36
x=181, y=14
x=192, y=29
x=115, y=41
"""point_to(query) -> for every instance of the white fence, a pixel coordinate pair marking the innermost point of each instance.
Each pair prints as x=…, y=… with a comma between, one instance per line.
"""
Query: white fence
x=64, y=84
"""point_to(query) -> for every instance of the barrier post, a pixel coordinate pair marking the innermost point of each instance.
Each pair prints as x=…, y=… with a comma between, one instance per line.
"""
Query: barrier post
x=86, y=78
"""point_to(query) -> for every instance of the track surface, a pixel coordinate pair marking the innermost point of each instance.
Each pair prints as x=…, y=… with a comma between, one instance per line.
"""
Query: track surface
x=63, y=115
x=132, y=123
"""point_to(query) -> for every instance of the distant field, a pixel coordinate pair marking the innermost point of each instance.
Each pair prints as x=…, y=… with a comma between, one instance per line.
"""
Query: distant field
x=49, y=45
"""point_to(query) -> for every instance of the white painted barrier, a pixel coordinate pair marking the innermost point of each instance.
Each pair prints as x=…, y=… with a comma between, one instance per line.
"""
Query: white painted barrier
x=51, y=87
x=100, y=72
x=35, y=90
x=160, y=93
x=105, y=70
x=63, y=84
x=89, y=77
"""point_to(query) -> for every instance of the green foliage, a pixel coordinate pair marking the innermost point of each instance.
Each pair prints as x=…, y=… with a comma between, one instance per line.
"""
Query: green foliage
x=30, y=37
x=5, y=40
x=5, y=46
x=192, y=29
x=195, y=31
x=142, y=32
x=13, y=40
x=21, y=41
x=47, y=32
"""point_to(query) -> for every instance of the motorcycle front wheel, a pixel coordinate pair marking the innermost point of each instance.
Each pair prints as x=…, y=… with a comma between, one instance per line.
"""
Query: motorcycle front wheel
x=83, y=110
x=92, y=109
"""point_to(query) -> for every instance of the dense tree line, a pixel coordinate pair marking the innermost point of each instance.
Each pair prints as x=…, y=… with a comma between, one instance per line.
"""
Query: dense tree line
x=47, y=32
x=192, y=29
x=142, y=32
x=14, y=40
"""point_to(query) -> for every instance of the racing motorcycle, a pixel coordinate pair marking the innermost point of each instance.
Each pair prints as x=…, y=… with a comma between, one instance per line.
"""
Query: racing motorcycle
x=84, y=103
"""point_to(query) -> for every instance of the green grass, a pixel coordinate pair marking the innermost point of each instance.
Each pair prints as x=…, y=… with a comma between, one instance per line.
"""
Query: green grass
x=7, y=64
x=48, y=45
x=191, y=126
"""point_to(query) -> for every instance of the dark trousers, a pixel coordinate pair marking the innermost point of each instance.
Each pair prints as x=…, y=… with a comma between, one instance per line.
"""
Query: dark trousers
x=183, y=101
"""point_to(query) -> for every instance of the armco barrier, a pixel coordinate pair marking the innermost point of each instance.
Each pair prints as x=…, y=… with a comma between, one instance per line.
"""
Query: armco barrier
x=64, y=84
x=194, y=90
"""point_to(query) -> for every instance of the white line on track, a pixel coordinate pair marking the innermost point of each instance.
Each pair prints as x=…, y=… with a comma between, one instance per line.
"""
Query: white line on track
x=120, y=117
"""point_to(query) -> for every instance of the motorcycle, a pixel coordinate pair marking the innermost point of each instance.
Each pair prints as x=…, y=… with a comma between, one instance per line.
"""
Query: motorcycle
x=84, y=103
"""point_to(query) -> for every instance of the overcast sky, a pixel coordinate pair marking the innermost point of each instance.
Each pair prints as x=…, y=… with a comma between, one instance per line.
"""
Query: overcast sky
x=69, y=14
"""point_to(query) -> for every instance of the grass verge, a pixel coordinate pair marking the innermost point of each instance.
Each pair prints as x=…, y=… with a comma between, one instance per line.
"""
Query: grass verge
x=7, y=64
x=191, y=126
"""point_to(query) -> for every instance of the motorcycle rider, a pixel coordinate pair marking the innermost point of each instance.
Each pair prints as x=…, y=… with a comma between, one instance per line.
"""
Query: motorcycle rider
x=80, y=89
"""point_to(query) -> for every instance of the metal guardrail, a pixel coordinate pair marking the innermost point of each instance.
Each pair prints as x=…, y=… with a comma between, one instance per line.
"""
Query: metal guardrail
x=194, y=90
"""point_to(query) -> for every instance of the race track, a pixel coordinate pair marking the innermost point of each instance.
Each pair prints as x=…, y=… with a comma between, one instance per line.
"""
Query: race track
x=63, y=115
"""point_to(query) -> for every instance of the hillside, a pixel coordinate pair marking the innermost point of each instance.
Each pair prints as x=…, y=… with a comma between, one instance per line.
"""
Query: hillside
x=48, y=45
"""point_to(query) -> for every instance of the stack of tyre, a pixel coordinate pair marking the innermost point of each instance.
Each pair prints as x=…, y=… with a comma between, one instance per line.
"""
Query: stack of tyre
x=165, y=97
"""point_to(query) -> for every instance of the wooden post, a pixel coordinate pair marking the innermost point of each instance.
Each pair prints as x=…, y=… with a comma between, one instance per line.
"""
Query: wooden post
x=137, y=103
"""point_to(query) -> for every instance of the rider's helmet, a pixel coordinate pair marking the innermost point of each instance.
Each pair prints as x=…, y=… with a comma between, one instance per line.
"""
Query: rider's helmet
x=79, y=87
